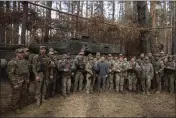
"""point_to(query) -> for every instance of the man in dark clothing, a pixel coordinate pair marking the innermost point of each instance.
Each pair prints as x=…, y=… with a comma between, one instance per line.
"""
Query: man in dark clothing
x=102, y=69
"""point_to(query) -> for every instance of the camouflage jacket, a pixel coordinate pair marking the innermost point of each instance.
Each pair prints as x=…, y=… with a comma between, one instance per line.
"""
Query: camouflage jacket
x=147, y=70
x=16, y=69
x=111, y=65
x=41, y=65
x=89, y=68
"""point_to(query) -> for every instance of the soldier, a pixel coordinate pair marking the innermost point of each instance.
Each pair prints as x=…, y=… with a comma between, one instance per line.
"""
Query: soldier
x=140, y=61
x=18, y=72
x=28, y=59
x=133, y=67
x=79, y=67
x=170, y=72
x=110, y=62
x=102, y=71
x=52, y=72
x=41, y=64
x=151, y=58
x=89, y=75
x=65, y=68
x=119, y=69
x=158, y=69
x=95, y=75
x=147, y=75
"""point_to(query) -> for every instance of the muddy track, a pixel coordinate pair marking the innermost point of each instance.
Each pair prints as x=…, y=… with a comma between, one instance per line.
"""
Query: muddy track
x=100, y=105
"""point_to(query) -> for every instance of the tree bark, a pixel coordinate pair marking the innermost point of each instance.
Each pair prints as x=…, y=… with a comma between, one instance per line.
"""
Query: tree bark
x=2, y=26
x=48, y=20
x=15, y=26
x=24, y=22
x=142, y=20
x=113, y=10
x=8, y=27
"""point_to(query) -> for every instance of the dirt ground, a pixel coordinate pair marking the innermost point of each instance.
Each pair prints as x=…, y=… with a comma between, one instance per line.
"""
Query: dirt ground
x=96, y=105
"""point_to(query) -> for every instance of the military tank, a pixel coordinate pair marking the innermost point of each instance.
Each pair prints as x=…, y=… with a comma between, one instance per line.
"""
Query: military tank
x=74, y=45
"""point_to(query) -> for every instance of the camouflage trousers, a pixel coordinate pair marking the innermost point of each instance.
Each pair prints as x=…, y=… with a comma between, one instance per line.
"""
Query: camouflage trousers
x=89, y=80
x=66, y=85
x=18, y=93
x=146, y=83
x=101, y=85
x=169, y=82
x=132, y=82
x=158, y=81
x=78, y=79
x=109, y=83
x=119, y=81
x=41, y=88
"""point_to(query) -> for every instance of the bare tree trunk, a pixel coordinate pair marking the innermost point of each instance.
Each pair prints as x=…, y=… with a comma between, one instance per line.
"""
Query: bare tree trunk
x=77, y=18
x=92, y=8
x=87, y=8
x=24, y=22
x=8, y=28
x=15, y=26
x=113, y=10
x=48, y=20
x=2, y=26
x=142, y=20
x=174, y=29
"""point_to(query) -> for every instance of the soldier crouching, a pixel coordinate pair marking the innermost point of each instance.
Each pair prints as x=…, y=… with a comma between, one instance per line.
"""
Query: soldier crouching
x=18, y=72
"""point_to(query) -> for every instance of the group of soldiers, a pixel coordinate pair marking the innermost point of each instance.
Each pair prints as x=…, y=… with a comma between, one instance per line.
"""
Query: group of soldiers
x=102, y=73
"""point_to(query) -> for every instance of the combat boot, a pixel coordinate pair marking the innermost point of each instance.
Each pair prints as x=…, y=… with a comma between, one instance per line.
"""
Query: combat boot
x=38, y=103
x=157, y=92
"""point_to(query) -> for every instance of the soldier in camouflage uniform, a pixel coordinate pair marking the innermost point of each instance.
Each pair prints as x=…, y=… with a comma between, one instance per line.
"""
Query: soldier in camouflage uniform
x=159, y=70
x=65, y=68
x=119, y=69
x=140, y=61
x=79, y=67
x=28, y=59
x=95, y=75
x=89, y=75
x=147, y=75
x=41, y=64
x=52, y=72
x=170, y=73
x=110, y=62
x=18, y=72
x=133, y=67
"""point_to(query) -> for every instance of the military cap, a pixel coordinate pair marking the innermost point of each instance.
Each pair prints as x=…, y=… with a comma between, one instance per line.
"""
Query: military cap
x=162, y=52
x=109, y=55
x=25, y=49
x=98, y=53
x=20, y=50
x=157, y=55
x=146, y=58
x=90, y=55
x=42, y=47
x=51, y=50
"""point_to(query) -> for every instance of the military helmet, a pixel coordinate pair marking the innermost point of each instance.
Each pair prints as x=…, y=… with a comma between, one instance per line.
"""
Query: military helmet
x=68, y=57
x=170, y=56
x=162, y=52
